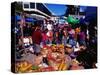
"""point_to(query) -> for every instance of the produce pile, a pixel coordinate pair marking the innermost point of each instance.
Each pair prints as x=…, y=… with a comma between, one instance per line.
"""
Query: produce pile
x=52, y=58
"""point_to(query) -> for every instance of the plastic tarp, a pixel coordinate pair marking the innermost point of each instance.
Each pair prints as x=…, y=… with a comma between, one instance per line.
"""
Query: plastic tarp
x=18, y=18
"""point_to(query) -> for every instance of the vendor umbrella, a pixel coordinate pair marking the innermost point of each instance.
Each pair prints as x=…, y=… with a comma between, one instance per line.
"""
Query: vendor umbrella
x=72, y=20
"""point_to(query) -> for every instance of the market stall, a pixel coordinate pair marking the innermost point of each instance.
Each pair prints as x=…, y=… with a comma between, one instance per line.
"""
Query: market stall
x=52, y=58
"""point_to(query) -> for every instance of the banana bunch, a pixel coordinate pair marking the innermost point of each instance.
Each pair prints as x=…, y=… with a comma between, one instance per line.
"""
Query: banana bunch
x=23, y=67
x=62, y=66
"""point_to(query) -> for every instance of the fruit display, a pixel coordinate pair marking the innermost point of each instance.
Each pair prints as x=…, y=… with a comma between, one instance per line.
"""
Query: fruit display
x=55, y=60
x=56, y=57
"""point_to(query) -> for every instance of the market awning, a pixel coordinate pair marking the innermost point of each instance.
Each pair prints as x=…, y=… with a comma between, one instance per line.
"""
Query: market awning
x=38, y=17
x=38, y=12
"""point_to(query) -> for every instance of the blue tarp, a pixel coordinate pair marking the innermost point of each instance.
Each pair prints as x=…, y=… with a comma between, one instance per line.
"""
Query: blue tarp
x=18, y=18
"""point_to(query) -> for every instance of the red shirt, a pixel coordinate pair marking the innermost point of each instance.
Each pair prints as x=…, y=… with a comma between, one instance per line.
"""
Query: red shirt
x=37, y=37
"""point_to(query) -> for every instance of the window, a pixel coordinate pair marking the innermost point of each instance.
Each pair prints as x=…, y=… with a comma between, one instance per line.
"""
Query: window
x=32, y=5
x=26, y=5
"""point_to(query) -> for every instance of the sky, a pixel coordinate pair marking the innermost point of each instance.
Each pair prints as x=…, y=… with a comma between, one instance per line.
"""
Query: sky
x=57, y=9
x=82, y=8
